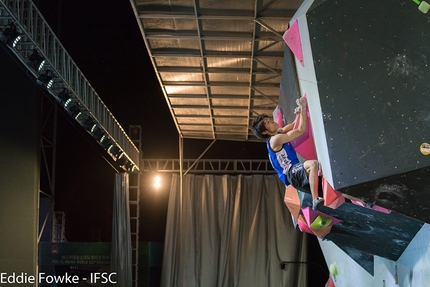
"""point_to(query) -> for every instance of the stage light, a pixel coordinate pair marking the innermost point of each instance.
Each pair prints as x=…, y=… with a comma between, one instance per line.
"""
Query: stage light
x=75, y=111
x=121, y=160
x=73, y=108
x=110, y=148
x=45, y=80
x=64, y=98
x=129, y=166
x=157, y=181
x=98, y=134
x=36, y=61
x=10, y=36
x=106, y=142
x=89, y=124
x=119, y=154
x=103, y=138
x=94, y=128
x=114, y=151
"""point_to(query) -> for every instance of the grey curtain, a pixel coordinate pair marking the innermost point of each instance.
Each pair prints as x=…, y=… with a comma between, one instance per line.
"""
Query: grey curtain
x=121, y=262
x=231, y=231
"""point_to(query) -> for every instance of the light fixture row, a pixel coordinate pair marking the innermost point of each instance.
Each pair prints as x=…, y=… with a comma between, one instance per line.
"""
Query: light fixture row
x=45, y=79
x=74, y=108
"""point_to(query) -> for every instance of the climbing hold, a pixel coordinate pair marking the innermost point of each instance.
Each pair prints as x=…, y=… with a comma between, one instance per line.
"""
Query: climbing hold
x=321, y=222
x=292, y=39
x=424, y=7
x=425, y=148
x=333, y=269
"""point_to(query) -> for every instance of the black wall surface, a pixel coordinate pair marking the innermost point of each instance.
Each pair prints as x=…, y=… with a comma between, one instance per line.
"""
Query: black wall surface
x=372, y=67
x=290, y=90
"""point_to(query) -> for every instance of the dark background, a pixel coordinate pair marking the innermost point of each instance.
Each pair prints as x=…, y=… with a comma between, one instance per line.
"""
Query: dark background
x=104, y=40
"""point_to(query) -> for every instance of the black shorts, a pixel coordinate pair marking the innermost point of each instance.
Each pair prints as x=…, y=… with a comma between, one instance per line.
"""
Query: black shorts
x=296, y=175
x=298, y=178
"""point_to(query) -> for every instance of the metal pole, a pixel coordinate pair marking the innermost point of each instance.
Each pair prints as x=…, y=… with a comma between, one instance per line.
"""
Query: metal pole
x=197, y=160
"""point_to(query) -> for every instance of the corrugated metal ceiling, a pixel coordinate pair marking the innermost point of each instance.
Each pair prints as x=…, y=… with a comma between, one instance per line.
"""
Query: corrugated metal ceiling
x=219, y=63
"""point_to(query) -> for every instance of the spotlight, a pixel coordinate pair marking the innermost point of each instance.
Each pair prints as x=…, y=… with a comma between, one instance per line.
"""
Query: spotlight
x=157, y=181
x=36, y=61
x=10, y=36
x=115, y=152
x=75, y=111
x=98, y=134
x=119, y=155
x=89, y=124
x=129, y=166
x=121, y=160
x=45, y=80
x=64, y=98
x=105, y=142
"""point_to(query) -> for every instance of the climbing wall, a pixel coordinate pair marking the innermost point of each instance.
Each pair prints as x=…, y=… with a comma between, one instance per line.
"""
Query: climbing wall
x=364, y=67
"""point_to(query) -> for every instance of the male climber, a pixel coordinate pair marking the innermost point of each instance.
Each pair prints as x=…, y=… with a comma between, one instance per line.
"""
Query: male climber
x=302, y=176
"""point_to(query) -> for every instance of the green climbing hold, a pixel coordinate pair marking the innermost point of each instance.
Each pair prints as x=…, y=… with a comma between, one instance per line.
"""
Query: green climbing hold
x=320, y=222
x=333, y=269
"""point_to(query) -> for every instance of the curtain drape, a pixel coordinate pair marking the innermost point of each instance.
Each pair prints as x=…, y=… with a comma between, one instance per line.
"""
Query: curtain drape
x=121, y=261
x=231, y=231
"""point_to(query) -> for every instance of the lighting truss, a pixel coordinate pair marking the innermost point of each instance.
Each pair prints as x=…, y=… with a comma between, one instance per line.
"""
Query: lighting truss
x=54, y=70
x=208, y=166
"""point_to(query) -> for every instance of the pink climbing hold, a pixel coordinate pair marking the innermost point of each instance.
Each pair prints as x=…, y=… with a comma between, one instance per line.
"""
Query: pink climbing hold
x=332, y=198
x=304, y=144
x=278, y=117
x=292, y=38
x=303, y=225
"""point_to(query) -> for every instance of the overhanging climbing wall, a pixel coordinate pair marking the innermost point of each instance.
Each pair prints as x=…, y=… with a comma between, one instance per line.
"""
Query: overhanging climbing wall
x=365, y=69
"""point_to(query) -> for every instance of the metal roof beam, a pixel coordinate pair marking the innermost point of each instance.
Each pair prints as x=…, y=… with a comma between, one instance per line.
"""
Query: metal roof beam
x=264, y=95
x=188, y=96
x=210, y=36
x=262, y=24
x=205, y=116
x=197, y=160
x=216, y=125
x=203, y=60
x=195, y=124
x=181, y=69
x=228, y=133
x=167, y=15
x=268, y=78
x=220, y=84
x=213, y=54
x=172, y=12
x=210, y=107
x=226, y=96
x=254, y=50
x=277, y=71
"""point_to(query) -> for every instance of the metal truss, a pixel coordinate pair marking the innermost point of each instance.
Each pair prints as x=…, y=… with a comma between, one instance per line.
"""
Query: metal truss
x=209, y=166
x=69, y=87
